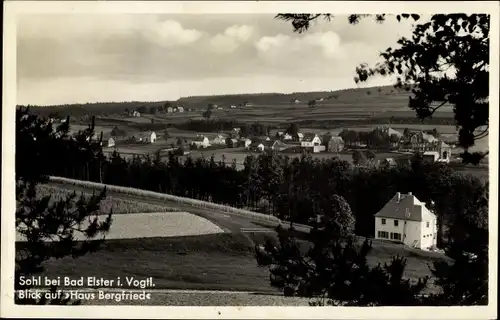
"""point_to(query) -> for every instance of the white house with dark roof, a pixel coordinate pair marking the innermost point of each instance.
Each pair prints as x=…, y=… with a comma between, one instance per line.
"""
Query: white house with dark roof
x=310, y=140
x=407, y=220
x=146, y=137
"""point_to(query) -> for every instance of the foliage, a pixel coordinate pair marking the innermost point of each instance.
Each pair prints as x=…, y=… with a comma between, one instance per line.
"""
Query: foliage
x=49, y=226
x=295, y=189
x=445, y=62
x=333, y=269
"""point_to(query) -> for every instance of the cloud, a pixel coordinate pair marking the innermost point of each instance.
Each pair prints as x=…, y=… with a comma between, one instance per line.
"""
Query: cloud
x=231, y=39
x=170, y=32
x=327, y=43
x=241, y=33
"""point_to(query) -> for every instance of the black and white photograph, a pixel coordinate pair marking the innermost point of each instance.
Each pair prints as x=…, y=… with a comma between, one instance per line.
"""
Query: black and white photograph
x=247, y=154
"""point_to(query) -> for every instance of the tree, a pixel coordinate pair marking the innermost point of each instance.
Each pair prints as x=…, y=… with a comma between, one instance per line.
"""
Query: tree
x=40, y=220
x=359, y=157
x=445, y=62
x=166, y=135
x=207, y=114
x=334, y=269
x=379, y=90
x=311, y=103
x=293, y=130
x=152, y=110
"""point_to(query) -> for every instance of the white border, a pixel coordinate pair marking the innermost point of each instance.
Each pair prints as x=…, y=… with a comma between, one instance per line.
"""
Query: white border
x=11, y=9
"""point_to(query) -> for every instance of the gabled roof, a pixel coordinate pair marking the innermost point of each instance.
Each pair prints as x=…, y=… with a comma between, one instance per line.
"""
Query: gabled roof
x=308, y=137
x=146, y=134
x=336, y=139
x=407, y=208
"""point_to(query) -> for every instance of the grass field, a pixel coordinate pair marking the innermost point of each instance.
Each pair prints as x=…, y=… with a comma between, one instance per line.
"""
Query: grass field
x=209, y=262
x=117, y=205
x=222, y=261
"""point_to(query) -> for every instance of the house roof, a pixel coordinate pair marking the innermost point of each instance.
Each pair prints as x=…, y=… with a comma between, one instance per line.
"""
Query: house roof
x=146, y=134
x=391, y=131
x=336, y=139
x=407, y=208
x=308, y=137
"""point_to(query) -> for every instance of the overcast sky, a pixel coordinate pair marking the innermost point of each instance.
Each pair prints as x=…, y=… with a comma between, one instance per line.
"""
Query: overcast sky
x=122, y=57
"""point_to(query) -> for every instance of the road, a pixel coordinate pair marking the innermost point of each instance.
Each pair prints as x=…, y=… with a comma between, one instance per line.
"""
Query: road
x=228, y=222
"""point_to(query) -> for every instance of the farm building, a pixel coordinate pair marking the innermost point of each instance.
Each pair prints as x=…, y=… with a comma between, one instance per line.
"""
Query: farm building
x=180, y=109
x=231, y=143
x=200, y=142
x=136, y=114
x=218, y=140
x=146, y=137
x=111, y=142
x=256, y=146
x=335, y=144
x=245, y=142
x=170, y=110
x=407, y=220
x=431, y=156
x=310, y=140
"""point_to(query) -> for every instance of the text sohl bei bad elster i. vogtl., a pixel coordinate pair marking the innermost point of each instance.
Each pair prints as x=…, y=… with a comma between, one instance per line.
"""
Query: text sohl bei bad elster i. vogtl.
x=87, y=282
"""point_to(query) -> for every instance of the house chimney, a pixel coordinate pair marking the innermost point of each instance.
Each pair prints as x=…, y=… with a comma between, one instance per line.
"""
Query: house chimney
x=398, y=196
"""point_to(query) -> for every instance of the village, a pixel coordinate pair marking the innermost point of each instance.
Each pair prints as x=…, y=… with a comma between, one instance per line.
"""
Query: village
x=382, y=146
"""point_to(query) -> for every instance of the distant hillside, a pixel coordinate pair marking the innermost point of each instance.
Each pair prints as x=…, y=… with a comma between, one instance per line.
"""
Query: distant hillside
x=284, y=99
x=99, y=108
x=378, y=97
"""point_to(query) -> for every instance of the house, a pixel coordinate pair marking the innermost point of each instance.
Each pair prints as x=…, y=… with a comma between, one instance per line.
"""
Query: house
x=310, y=140
x=444, y=151
x=431, y=156
x=256, y=146
x=233, y=106
x=245, y=142
x=300, y=135
x=170, y=110
x=180, y=109
x=287, y=136
x=390, y=131
x=200, y=142
x=231, y=143
x=111, y=142
x=218, y=140
x=407, y=220
x=296, y=101
x=277, y=145
x=248, y=104
x=336, y=144
x=146, y=137
x=136, y=114
x=236, y=130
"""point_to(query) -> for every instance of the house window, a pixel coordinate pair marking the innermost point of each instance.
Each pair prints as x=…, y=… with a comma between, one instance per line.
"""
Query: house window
x=396, y=223
x=396, y=236
x=434, y=236
x=427, y=224
x=383, y=234
x=383, y=221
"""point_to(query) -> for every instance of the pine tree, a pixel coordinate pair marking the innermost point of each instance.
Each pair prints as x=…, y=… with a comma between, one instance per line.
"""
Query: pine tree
x=48, y=227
